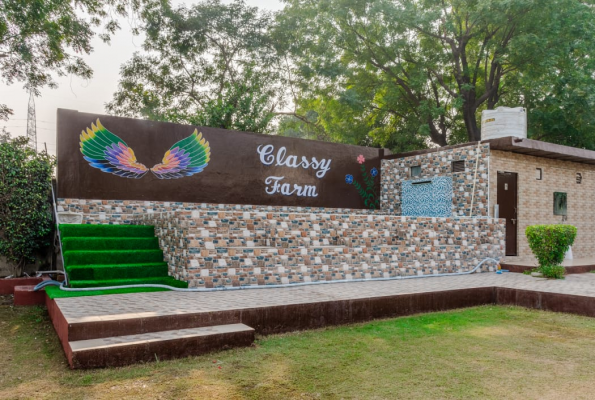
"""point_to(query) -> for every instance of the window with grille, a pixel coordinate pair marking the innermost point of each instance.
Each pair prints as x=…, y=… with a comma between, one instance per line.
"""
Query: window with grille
x=458, y=166
x=415, y=171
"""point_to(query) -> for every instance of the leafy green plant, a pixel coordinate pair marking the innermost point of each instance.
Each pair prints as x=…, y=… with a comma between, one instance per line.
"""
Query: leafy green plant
x=211, y=64
x=42, y=39
x=553, y=271
x=530, y=271
x=25, y=212
x=549, y=243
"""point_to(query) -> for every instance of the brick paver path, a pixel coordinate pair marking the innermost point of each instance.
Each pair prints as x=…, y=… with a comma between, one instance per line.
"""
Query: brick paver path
x=140, y=305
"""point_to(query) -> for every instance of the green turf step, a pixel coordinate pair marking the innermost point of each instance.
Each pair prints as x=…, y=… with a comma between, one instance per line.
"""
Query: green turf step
x=117, y=271
x=88, y=257
x=90, y=230
x=168, y=280
x=109, y=243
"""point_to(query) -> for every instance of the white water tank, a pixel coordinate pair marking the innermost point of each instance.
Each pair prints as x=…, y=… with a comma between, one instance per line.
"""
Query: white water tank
x=503, y=122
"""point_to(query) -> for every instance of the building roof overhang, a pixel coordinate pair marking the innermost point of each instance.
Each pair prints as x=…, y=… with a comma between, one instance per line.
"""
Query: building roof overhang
x=512, y=144
x=538, y=148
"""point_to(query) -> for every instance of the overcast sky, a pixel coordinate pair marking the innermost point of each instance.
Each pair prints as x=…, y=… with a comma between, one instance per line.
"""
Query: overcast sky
x=79, y=94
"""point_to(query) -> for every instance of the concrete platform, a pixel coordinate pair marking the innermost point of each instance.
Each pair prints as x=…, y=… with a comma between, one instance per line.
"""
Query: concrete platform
x=574, y=266
x=277, y=310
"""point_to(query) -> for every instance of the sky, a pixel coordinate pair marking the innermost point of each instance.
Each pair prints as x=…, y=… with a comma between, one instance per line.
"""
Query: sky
x=80, y=94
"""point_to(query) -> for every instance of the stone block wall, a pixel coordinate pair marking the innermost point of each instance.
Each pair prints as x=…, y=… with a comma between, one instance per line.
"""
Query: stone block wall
x=232, y=248
x=439, y=163
x=535, y=197
x=126, y=211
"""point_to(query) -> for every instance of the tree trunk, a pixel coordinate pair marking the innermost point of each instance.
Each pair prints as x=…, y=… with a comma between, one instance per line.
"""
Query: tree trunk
x=436, y=136
x=469, y=110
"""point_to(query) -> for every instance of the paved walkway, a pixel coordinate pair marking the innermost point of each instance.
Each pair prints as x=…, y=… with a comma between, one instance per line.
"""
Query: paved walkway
x=142, y=305
x=576, y=262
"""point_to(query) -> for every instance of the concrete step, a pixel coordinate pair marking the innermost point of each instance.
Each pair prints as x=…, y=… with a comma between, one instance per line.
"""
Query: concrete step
x=155, y=346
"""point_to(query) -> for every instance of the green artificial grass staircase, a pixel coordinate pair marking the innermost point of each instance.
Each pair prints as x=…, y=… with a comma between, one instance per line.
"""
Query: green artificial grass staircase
x=112, y=255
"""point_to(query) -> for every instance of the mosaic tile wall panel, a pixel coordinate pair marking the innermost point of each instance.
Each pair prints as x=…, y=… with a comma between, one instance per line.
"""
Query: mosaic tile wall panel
x=439, y=163
x=427, y=197
x=212, y=248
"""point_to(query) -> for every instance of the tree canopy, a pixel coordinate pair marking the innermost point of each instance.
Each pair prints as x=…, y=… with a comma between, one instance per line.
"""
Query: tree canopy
x=422, y=70
x=211, y=64
x=41, y=39
x=401, y=74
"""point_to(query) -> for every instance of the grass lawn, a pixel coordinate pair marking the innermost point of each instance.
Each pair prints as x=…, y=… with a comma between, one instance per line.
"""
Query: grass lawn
x=483, y=352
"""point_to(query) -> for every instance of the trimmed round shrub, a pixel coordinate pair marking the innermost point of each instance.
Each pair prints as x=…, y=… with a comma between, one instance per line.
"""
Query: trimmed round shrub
x=549, y=243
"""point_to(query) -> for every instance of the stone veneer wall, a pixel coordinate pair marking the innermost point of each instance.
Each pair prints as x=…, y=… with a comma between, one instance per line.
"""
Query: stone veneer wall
x=438, y=163
x=126, y=211
x=535, y=197
x=233, y=248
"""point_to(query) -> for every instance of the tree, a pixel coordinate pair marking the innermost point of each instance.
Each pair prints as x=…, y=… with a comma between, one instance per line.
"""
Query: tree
x=4, y=135
x=25, y=212
x=424, y=69
x=40, y=38
x=212, y=64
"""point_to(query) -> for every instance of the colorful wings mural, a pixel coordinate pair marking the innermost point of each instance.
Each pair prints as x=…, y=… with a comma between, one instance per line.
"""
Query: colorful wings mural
x=107, y=152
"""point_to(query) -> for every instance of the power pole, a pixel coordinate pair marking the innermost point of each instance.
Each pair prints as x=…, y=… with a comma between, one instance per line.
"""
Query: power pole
x=31, y=124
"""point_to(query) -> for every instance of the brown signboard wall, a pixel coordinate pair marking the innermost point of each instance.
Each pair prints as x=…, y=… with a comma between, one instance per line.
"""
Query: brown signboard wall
x=236, y=172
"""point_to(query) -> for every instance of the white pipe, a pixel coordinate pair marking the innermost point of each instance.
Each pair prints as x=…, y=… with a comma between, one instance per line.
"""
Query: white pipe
x=58, y=232
x=475, y=179
x=223, y=288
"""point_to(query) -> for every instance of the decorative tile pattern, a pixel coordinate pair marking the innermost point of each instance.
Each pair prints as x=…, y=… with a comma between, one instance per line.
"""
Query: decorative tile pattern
x=439, y=163
x=124, y=211
x=231, y=248
x=428, y=197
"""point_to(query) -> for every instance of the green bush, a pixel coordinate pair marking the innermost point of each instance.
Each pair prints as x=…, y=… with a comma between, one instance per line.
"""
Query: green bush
x=553, y=271
x=25, y=209
x=550, y=242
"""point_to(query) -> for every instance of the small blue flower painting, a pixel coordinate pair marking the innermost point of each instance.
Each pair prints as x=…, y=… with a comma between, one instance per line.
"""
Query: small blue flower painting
x=367, y=190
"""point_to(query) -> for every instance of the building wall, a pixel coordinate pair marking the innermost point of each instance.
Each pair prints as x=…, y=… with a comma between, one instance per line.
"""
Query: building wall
x=439, y=163
x=535, y=197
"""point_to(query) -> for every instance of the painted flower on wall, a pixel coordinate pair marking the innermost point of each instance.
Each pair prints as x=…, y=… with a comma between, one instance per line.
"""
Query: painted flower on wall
x=368, y=190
